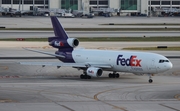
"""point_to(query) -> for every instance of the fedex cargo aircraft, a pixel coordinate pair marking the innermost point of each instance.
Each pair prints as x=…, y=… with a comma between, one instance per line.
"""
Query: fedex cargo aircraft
x=93, y=62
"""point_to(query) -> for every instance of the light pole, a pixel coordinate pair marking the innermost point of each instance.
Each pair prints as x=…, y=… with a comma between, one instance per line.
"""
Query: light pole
x=149, y=8
x=19, y=5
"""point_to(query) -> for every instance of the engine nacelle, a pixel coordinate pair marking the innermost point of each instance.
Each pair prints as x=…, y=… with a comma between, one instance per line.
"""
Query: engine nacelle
x=70, y=42
x=94, y=72
x=73, y=42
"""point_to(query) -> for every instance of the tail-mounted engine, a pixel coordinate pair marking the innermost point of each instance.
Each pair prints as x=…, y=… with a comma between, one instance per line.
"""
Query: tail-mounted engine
x=69, y=43
x=94, y=72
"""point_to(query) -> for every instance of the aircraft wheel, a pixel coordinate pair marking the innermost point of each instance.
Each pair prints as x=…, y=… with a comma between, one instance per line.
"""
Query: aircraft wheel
x=150, y=80
x=85, y=77
x=114, y=75
x=82, y=76
x=110, y=75
x=89, y=77
x=117, y=75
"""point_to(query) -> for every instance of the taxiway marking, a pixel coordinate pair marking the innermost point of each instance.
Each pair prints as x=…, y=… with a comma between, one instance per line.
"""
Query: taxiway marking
x=176, y=73
x=177, y=97
x=5, y=101
x=4, y=67
x=169, y=107
x=115, y=107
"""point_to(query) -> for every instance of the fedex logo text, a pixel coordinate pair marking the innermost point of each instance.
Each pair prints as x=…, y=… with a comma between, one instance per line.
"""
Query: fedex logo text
x=132, y=61
x=90, y=71
x=58, y=43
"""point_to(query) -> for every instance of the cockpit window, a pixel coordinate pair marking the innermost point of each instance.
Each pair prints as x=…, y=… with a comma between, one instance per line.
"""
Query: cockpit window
x=162, y=61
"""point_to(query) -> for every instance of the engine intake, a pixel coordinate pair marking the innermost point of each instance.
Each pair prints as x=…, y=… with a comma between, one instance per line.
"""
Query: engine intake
x=94, y=72
x=73, y=42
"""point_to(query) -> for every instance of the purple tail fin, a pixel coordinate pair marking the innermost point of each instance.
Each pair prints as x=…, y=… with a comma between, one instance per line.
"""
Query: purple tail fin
x=58, y=30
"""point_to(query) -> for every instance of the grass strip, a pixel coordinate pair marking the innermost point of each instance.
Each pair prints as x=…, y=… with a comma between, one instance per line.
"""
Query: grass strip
x=131, y=39
x=109, y=39
x=177, y=48
x=98, y=29
x=147, y=24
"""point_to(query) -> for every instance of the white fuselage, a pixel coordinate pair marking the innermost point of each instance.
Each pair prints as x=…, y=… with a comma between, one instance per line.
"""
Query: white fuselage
x=124, y=61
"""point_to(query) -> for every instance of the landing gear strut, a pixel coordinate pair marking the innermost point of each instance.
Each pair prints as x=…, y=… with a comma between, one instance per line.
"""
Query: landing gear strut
x=85, y=76
x=114, y=75
x=150, y=78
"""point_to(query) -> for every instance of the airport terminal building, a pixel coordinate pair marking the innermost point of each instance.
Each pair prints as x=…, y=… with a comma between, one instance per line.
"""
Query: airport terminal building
x=124, y=6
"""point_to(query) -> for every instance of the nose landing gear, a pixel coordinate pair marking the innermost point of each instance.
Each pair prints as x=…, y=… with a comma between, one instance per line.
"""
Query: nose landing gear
x=150, y=78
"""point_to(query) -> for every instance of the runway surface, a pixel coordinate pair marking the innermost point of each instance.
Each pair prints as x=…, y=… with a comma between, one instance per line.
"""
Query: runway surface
x=27, y=88
x=46, y=34
x=45, y=22
x=24, y=88
x=33, y=88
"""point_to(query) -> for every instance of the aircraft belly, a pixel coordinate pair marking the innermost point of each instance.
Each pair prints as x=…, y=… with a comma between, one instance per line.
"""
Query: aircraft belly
x=85, y=57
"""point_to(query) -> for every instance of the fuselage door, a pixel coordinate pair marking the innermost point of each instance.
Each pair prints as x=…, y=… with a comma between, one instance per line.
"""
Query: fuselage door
x=152, y=66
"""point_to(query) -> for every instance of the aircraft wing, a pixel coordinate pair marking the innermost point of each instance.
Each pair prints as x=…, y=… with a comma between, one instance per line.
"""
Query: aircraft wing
x=59, y=64
x=77, y=65
x=47, y=53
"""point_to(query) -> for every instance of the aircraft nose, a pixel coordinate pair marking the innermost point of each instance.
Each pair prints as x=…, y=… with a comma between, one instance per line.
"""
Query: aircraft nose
x=169, y=65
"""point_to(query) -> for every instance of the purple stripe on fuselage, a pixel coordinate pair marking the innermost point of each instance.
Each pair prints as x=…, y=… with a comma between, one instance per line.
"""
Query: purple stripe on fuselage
x=68, y=55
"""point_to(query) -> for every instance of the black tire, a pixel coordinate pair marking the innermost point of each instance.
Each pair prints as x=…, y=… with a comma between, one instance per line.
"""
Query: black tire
x=110, y=75
x=117, y=75
x=89, y=77
x=114, y=75
x=150, y=80
x=85, y=76
x=82, y=76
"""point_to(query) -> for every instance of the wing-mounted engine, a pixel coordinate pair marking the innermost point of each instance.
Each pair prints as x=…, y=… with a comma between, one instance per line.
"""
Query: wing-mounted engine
x=94, y=72
x=69, y=43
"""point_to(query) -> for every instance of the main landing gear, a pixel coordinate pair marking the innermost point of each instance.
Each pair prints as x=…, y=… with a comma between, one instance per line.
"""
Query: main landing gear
x=114, y=75
x=150, y=78
x=85, y=76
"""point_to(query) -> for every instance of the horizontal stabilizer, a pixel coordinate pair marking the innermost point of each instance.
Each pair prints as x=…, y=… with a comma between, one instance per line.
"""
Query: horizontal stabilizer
x=46, y=53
